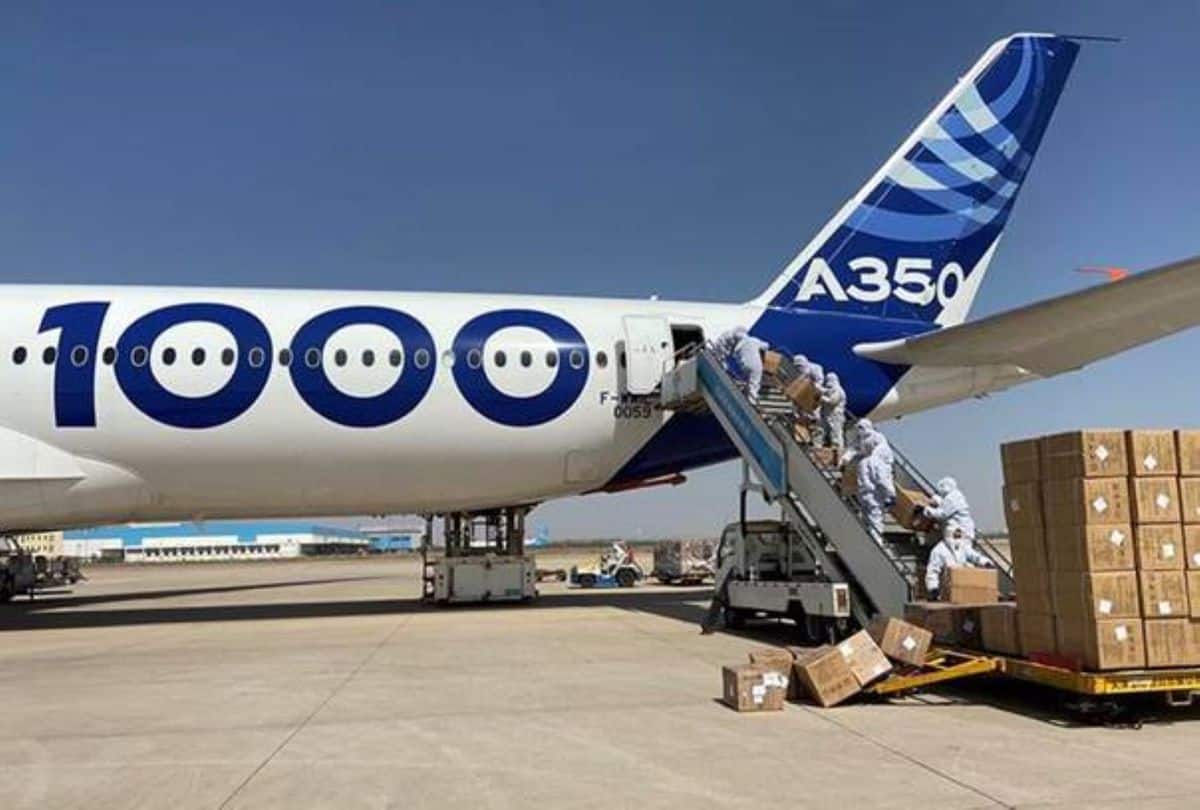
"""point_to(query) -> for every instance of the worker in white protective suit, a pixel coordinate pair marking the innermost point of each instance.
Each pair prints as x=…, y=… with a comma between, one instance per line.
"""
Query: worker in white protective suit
x=876, y=485
x=954, y=551
x=831, y=425
x=950, y=508
x=745, y=357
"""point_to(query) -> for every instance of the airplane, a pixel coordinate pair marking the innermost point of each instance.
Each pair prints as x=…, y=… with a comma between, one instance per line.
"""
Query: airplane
x=138, y=403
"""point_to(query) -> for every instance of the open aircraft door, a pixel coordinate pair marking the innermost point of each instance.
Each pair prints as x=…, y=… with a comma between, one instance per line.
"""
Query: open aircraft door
x=648, y=352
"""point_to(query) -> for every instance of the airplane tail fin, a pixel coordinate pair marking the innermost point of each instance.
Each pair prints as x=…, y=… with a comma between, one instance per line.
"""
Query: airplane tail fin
x=914, y=243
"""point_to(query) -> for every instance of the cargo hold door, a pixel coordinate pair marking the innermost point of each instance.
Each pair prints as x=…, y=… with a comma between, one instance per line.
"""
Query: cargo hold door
x=647, y=352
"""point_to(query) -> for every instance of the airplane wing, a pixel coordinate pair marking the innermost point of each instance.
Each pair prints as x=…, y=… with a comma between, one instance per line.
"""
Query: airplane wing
x=1064, y=333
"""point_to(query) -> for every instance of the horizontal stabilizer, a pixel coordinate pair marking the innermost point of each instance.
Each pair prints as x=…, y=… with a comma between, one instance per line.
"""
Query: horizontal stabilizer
x=1064, y=333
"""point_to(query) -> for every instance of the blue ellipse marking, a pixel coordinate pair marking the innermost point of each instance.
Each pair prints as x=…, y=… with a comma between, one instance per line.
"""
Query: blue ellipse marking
x=538, y=409
x=234, y=398
x=325, y=398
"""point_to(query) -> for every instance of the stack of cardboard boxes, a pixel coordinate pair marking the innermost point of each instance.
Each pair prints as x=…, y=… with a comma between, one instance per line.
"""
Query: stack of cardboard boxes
x=1099, y=546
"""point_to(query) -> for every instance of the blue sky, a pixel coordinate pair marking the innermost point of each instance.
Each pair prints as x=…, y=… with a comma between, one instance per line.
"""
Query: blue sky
x=680, y=149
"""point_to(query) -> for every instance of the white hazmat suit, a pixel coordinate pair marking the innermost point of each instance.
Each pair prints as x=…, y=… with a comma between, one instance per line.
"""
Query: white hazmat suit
x=746, y=351
x=876, y=485
x=831, y=427
x=950, y=508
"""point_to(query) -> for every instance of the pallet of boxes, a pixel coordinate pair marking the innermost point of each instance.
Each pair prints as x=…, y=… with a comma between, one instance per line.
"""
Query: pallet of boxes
x=825, y=675
x=1104, y=527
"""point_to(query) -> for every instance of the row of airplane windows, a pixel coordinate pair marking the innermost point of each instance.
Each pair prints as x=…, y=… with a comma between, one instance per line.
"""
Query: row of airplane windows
x=140, y=355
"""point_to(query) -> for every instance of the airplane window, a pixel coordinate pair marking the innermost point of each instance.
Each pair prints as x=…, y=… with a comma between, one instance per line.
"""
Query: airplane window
x=368, y=357
x=601, y=359
x=285, y=357
x=312, y=357
x=168, y=356
x=500, y=359
x=421, y=358
x=552, y=358
x=227, y=357
x=48, y=355
x=256, y=357
x=395, y=358
x=79, y=356
x=448, y=358
x=576, y=358
x=474, y=358
x=527, y=359
x=19, y=355
x=339, y=357
x=109, y=356
x=139, y=356
x=197, y=356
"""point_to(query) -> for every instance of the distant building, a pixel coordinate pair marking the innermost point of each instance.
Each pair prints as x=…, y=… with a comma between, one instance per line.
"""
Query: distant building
x=215, y=540
x=48, y=544
x=389, y=538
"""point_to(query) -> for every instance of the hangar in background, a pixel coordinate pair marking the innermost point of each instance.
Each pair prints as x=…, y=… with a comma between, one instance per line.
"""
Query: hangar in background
x=214, y=540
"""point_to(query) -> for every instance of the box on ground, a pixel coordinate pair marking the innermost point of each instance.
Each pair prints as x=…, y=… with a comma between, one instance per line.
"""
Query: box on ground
x=1104, y=644
x=1151, y=452
x=1086, y=501
x=777, y=660
x=1164, y=594
x=1104, y=595
x=908, y=505
x=1101, y=547
x=1187, y=447
x=998, y=628
x=1084, y=454
x=753, y=688
x=1170, y=643
x=1023, y=506
x=866, y=660
x=1156, y=500
x=826, y=676
x=1189, y=499
x=966, y=586
x=1021, y=461
x=900, y=640
x=1159, y=546
x=1036, y=632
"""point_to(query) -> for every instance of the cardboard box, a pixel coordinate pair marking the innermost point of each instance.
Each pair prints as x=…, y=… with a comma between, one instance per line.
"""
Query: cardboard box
x=826, y=457
x=1096, y=596
x=1028, y=544
x=1036, y=632
x=1086, y=501
x=753, y=688
x=1021, y=461
x=1151, y=452
x=1193, y=590
x=1187, y=450
x=1169, y=643
x=803, y=393
x=998, y=628
x=777, y=660
x=966, y=586
x=825, y=676
x=1034, y=593
x=1023, y=506
x=1191, y=546
x=1189, y=499
x=1159, y=546
x=900, y=640
x=908, y=504
x=849, y=479
x=1084, y=454
x=865, y=659
x=1106, y=644
x=1164, y=594
x=771, y=362
x=1099, y=547
x=1156, y=500
x=950, y=624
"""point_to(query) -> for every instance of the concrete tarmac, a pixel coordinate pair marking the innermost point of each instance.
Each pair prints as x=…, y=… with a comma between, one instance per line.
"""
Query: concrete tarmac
x=326, y=684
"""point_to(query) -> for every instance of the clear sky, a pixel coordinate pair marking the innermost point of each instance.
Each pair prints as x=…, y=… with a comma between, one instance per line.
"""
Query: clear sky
x=682, y=149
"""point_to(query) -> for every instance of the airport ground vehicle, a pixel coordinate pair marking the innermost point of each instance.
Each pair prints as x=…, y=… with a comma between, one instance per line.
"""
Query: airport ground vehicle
x=618, y=568
x=684, y=562
x=18, y=572
x=56, y=571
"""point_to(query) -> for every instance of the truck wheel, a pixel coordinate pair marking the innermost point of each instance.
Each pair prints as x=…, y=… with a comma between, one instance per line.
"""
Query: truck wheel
x=626, y=578
x=587, y=580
